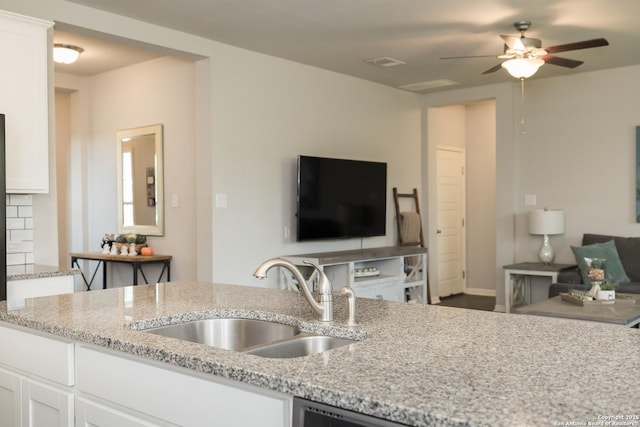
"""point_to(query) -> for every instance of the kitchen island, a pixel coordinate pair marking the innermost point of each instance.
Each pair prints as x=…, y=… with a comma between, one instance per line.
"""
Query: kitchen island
x=415, y=364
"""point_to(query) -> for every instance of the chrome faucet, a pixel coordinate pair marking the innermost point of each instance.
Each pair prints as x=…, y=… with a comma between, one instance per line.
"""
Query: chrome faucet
x=324, y=305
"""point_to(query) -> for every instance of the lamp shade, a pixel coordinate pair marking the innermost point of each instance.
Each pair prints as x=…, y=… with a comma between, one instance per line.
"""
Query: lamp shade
x=546, y=221
x=522, y=68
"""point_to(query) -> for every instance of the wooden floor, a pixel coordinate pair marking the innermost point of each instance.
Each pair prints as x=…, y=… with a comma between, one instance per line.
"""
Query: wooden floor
x=474, y=302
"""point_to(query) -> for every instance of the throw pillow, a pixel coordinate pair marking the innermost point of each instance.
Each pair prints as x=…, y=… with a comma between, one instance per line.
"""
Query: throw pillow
x=613, y=268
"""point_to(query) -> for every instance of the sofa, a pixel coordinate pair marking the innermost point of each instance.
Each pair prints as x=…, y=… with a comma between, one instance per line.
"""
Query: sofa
x=628, y=252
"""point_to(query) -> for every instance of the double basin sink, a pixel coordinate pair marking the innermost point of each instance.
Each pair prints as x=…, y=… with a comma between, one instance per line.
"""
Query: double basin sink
x=258, y=337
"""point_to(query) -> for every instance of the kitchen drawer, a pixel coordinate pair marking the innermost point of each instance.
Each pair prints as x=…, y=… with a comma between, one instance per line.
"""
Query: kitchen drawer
x=175, y=395
x=38, y=354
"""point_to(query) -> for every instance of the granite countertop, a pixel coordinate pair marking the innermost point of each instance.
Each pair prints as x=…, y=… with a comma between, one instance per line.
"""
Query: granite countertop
x=417, y=364
x=37, y=271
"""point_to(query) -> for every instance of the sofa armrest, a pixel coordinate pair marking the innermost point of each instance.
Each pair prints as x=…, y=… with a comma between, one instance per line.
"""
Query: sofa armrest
x=558, y=288
x=570, y=276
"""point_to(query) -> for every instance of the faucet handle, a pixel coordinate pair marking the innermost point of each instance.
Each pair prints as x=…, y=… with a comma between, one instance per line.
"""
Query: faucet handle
x=351, y=304
x=324, y=284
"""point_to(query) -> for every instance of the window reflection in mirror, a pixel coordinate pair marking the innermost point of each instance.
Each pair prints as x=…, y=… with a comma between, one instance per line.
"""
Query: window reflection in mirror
x=140, y=183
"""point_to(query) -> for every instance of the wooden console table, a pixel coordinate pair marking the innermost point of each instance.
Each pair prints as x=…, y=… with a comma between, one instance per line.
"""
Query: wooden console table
x=136, y=262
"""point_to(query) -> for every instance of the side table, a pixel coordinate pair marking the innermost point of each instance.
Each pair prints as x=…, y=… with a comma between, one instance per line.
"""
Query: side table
x=135, y=262
x=517, y=280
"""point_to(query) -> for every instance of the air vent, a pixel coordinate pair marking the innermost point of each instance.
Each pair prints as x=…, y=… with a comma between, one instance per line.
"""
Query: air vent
x=425, y=86
x=384, y=61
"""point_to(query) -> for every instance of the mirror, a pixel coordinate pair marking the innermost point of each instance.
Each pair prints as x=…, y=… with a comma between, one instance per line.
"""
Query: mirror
x=140, y=183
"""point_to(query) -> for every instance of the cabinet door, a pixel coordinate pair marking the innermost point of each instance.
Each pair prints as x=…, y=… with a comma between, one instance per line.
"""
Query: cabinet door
x=43, y=405
x=24, y=102
x=9, y=399
x=93, y=414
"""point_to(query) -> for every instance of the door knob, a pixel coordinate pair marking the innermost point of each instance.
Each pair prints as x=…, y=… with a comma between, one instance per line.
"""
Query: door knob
x=439, y=232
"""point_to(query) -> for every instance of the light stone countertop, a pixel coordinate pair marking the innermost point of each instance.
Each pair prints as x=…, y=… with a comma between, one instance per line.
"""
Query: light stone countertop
x=419, y=364
x=37, y=271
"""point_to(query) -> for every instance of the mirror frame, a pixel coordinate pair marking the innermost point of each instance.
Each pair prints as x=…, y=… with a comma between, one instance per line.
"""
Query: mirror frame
x=147, y=230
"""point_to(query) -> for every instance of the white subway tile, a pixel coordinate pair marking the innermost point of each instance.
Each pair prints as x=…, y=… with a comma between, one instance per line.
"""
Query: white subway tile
x=14, y=247
x=28, y=258
x=16, y=259
x=25, y=211
x=15, y=224
x=21, y=234
x=28, y=223
x=27, y=246
x=21, y=199
x=12, y=211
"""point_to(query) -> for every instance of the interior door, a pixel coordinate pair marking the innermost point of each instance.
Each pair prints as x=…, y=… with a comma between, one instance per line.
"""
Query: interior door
x=451, y=221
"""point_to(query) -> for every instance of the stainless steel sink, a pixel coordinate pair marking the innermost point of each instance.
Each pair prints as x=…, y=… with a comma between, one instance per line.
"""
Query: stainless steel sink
x=258, y=337
x=300, y=346
x=230, y=334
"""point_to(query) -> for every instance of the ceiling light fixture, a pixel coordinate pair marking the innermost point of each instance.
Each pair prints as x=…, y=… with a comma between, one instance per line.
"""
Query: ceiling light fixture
x=522, y=68
x=66, y=53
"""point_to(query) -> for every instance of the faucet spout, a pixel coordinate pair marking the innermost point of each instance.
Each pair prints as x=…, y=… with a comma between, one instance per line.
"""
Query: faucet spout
x=324, y=306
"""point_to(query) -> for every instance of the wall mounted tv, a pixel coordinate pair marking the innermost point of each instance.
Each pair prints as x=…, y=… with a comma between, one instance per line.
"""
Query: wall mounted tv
x=339, y=199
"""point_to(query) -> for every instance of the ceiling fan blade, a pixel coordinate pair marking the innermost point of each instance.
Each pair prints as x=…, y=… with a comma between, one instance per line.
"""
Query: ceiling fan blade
x=493, y=69
x=513, y=42
x=563, y=62
x=586, y=44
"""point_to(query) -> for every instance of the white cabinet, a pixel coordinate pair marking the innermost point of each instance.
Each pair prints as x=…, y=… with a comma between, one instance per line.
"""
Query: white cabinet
x=174, y=396
x=390, y=273
x=51, y=381
x=10, y=398
x=45, y=405
x=92, y=414
x=24, y=102
x=36, y=375
x=45, y=286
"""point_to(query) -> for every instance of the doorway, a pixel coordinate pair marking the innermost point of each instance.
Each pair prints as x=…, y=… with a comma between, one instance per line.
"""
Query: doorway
x=461, y=139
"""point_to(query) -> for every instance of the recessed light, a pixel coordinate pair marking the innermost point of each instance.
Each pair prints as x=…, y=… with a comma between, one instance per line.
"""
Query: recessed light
x=424, y=86
x=384, y=61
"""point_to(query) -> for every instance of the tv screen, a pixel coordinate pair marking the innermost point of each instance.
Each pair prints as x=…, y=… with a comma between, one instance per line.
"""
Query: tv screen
x=340, y=199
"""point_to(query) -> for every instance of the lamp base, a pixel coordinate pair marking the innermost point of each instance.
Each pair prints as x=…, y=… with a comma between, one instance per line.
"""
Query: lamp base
x=546, y=253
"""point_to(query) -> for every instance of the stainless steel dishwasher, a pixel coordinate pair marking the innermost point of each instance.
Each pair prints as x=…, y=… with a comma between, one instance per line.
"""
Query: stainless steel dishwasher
x=313, y=414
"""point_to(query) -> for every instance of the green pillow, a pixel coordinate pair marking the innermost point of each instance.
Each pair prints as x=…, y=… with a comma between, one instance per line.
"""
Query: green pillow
x=613, y=270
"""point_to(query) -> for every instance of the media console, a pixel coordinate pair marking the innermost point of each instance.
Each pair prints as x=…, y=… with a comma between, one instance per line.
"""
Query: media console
x=392, y=273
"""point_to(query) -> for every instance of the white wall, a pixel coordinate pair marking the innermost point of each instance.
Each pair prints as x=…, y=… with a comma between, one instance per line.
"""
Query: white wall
x=579, y=154
x=160, y=91
x=271, y=116
x=264, y=111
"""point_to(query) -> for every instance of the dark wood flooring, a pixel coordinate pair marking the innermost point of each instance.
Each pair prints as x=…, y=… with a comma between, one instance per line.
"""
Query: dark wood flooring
x=475, y=302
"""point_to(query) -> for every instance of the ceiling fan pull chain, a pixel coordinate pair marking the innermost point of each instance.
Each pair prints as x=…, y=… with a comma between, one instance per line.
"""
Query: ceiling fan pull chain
x=522, y=129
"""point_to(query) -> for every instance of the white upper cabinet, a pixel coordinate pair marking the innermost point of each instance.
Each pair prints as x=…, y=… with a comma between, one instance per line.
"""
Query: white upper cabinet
x=24, y=101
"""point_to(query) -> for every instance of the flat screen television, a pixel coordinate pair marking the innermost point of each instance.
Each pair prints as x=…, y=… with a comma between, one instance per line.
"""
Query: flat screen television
x=340, y=199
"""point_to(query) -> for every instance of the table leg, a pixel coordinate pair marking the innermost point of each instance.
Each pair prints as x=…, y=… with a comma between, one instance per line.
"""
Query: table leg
x=136, y=266
x=508, y=291
x=104, y=275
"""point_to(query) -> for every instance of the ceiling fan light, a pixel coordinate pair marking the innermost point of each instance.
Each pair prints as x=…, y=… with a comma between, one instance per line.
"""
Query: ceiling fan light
x=66, y=53
x=522, y=68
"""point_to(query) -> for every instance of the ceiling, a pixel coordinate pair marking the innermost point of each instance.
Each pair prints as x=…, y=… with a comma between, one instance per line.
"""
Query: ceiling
x=340, y=35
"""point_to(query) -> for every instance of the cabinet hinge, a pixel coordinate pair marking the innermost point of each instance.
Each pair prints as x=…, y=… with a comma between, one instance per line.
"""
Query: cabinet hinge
x=464, y=274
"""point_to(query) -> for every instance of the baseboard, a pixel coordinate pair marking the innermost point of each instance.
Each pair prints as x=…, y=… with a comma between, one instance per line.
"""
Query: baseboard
x=500, y=307
x=480, y=292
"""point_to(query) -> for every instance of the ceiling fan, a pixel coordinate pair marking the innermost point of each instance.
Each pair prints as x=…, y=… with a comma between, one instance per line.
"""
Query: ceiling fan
x=525, y=55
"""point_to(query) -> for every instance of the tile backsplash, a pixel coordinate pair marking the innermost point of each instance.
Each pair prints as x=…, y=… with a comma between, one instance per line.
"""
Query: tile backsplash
x=19, y=229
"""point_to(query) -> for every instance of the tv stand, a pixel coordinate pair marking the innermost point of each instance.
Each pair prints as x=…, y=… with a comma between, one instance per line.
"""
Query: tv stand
x=392, y=273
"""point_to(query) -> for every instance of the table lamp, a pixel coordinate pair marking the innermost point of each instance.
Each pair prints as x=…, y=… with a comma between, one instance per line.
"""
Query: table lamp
x=546, y=222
